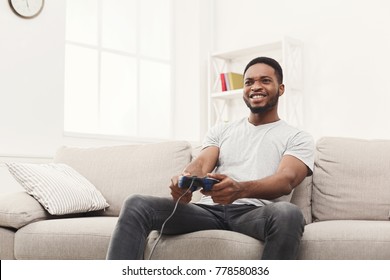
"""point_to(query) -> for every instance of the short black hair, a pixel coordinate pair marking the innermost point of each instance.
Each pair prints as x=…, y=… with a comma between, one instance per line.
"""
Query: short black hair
x=270, y=62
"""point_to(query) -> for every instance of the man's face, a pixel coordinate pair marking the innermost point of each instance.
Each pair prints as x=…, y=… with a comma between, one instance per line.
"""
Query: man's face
x=261, y=88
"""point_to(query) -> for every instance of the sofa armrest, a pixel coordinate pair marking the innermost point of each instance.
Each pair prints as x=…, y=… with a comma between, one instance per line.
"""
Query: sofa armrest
x=18, y=209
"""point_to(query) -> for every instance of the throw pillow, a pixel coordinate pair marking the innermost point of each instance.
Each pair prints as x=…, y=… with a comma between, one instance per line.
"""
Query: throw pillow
x=58, y=187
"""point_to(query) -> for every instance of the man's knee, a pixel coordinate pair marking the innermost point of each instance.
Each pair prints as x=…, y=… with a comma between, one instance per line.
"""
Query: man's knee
x=135, y=201
x=137, y=205
x=287, y=213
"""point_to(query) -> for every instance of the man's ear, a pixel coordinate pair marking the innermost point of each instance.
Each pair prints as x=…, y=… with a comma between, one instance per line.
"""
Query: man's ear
x=281, y=89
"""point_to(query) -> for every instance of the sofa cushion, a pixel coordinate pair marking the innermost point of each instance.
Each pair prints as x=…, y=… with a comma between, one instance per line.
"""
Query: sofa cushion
x=119, y=171
x=301, y=196
x=7, y=244
x=18, y=209
x=58, y=187
x=346, y=239
x=65, y=239
x=351, y=179
x=204, y=245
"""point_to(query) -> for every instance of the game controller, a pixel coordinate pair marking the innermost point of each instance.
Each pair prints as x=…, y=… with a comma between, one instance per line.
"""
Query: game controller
x=196, y=183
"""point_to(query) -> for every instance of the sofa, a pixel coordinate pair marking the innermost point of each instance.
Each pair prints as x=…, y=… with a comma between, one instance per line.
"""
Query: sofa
x=346, y=204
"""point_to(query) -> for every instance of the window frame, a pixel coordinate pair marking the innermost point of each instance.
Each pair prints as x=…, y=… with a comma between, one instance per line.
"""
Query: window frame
x=138, y=57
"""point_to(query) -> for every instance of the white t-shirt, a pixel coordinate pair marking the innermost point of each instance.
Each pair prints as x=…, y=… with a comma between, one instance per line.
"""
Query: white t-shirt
x=248, y=152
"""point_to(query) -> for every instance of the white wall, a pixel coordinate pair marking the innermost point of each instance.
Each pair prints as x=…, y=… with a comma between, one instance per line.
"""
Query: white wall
x=193, y=42
x=31, y=80
x=346, y=56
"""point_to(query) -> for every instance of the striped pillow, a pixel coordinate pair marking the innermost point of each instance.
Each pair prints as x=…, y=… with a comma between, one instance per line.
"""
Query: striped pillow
x=58, y=187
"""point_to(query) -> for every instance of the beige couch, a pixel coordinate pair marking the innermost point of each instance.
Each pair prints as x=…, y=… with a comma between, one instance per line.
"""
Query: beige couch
x=346, y=204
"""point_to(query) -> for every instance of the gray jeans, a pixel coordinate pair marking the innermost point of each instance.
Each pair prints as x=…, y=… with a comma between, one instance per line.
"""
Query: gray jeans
x=279, y=225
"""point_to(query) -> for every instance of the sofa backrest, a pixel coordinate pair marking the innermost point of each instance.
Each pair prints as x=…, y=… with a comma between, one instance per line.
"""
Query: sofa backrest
x=120, y=171
x=351, y=179
x=301, y=197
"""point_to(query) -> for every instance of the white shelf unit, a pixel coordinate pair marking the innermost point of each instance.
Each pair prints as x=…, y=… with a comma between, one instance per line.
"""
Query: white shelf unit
x=226, y=106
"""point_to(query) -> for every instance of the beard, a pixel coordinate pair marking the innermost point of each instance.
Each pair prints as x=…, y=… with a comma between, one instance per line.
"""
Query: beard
x=262, y=109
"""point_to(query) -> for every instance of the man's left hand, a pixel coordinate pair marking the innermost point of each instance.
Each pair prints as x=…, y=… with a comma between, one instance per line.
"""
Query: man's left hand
x=225, y=191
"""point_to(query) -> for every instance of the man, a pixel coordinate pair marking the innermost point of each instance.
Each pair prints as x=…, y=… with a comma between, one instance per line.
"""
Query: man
x=256, y=160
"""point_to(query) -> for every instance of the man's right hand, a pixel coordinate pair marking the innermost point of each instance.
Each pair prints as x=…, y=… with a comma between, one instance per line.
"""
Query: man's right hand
x=202, y=164
x=176, y=192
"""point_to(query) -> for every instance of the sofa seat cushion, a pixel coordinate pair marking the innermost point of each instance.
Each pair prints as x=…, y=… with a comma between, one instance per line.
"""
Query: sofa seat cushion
x=60, y=239
x=119, y=171
x=351, y=179
x=204, y=245
x=348, y=239
x=7, y=244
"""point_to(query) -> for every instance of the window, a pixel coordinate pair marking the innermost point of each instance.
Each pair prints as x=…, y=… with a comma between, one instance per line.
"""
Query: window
x=118, y=68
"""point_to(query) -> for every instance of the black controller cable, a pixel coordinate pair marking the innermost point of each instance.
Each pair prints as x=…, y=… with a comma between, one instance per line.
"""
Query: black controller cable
x=167, y=219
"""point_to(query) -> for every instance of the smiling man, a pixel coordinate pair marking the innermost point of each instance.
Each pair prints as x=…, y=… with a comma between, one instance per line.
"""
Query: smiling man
x=257, y=161
x=263, y=86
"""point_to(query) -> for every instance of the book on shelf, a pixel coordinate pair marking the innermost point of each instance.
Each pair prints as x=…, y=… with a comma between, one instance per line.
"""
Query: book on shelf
x=223, y=81
x=227, y=81
x=236, y=80
x=231, y=81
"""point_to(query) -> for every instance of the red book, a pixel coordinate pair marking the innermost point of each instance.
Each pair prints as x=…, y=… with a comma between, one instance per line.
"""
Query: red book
x=223, y=81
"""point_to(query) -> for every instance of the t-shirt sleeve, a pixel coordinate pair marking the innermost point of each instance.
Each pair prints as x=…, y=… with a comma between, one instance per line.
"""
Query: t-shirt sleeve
x=213, y=136
x=301, y=146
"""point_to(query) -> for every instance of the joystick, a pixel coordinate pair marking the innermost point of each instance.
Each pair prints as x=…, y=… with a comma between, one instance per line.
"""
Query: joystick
x=196, y=183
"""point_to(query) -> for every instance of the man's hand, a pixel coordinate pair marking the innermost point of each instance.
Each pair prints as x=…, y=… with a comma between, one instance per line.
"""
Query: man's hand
x=176, y=192
x=224, y=192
